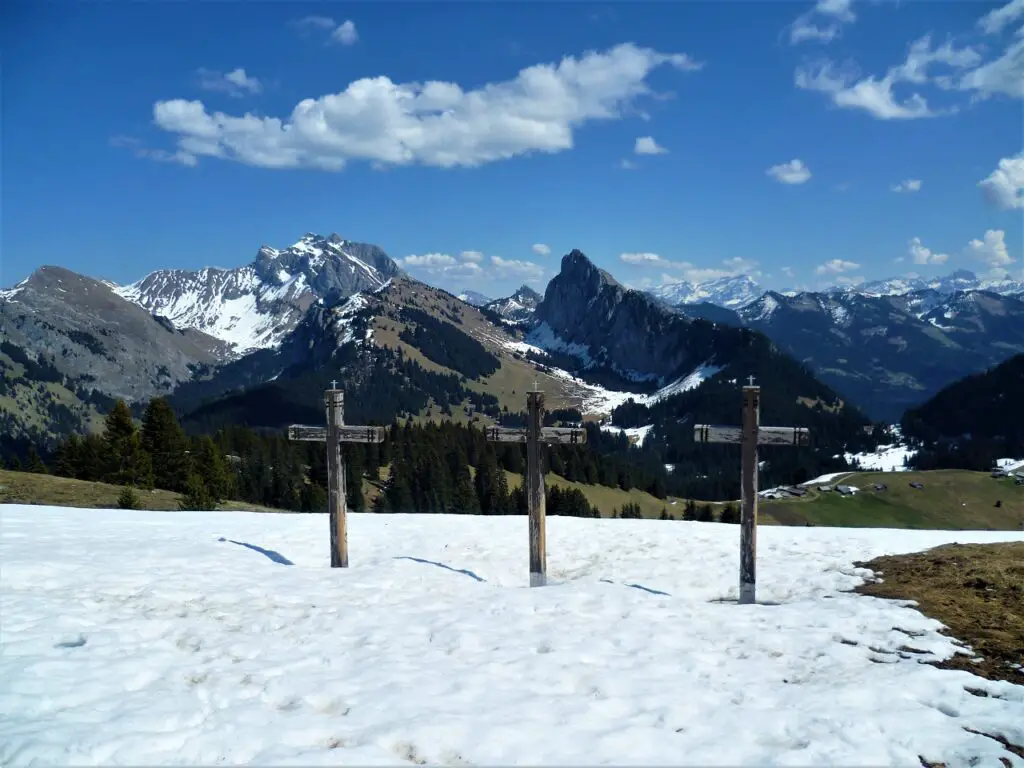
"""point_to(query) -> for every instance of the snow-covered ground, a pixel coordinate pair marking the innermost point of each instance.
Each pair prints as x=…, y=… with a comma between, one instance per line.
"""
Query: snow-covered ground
x=1010, y=464
x=887, y=458
x=636, y=435
x=154, y=638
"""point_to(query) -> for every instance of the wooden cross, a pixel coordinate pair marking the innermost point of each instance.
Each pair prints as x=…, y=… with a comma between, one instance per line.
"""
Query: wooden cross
x=334, y=434
x=533, y=435
x=749, y=436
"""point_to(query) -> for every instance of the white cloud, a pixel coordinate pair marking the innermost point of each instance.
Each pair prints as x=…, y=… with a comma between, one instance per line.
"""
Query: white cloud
x=628, y=165
x=1004, y=75
x=646, y=145
x=807, y=27
x=849, y=280
x=875, y=95
x=236, y=82
x=434, y=123
x=835, y=267
x=541, y=249
x=521, y=270
x=160, y=155
x=922, y=255
x=345, y=33
x=684, y=270
x=909, y=185
x=992, y=23
x=788, y=271
x=428, y=261
x=474, y=256
x=793, y=172
x=1005, y=185
x=992, y=251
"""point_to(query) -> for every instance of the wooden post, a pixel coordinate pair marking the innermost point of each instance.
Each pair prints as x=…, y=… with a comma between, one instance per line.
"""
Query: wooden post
x=749, y=436
x=536, y=502
x=534, y=436
x=335, y=434
x=748, y=490
x=335, y=402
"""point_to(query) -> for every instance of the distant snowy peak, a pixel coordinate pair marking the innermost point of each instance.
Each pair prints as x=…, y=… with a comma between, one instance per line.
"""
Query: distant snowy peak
x=960, y=280
x=730, y=292
x=517, y=308
x=257, y=305
x=474, y=298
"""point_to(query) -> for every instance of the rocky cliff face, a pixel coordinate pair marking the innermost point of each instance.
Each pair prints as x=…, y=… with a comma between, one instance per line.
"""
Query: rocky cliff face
x=591, y=315
x=517, y=308
x=88, y=332
x=255, y=306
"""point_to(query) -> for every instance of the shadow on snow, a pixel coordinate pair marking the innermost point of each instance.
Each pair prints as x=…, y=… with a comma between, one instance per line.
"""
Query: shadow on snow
x=277, y=557
x=640, y=587
x=463, y=571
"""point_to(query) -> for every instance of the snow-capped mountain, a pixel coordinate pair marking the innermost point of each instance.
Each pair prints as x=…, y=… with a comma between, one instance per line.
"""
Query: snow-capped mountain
x=257, y=305
x=960, y=280
x=517, y=308
x=474, y=298
x=732, y=292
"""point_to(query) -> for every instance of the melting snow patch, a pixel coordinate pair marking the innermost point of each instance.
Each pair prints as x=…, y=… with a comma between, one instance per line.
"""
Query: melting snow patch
x=636, y=435
x=238, y=660
x=887, y=458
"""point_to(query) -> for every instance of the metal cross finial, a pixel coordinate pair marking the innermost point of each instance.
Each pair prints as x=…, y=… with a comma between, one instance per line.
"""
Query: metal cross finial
x=751, y=380
x=334, y=383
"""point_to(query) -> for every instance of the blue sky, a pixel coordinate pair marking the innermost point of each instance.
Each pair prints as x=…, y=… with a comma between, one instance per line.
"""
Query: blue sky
x=478, y=142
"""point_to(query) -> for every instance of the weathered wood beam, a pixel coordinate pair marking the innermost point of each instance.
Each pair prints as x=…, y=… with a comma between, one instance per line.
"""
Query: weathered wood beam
x=560, y=435
x=347, y=433
x=306, y=432
x=709, y=433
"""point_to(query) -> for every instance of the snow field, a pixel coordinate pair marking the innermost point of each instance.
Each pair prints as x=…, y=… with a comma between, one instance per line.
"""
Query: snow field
x=159, y=638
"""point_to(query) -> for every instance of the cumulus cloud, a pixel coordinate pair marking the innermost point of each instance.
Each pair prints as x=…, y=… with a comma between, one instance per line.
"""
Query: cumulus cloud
x=909, y=185
x=344, y=33
x=823, y=23
x=922, y=255
x=433, y=123
x=1004, y=187
x=521, y=270
x=992, y=251
x=848, y=90
x=646, y=145
x=235, y=83
x=429, y=261
x=541, y=249
x=835, y=267
x=793, y=172
x=993, y=22
x=474, y=256
x=1004, y=75
x=628, y=165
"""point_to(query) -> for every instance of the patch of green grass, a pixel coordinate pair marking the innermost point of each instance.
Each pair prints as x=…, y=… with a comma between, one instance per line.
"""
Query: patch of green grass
x=50, y=490
x=949, y=500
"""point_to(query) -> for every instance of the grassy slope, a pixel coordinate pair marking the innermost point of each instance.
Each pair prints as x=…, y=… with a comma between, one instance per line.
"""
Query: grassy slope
x=950, y=499
x=608, y=499
x=27, y=488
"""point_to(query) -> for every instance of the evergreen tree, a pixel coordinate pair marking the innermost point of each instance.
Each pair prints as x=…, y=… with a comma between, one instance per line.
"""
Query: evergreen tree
x=67, y=457
x=209, y=465
x=124, y=460
x=730, y=514
x=129, y=499
x=196, y=496
x=690, y=510
x=34, y=463
x=705, y=514
x=164, y=440
x=313, y=498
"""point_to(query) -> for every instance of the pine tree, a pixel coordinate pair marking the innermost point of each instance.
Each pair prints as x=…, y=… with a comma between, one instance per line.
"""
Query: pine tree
x=209, y=465
x=128, y=499
x=705, y=514
x=690, y=510
x=67, y=457
x=313, y=498
x=123, y=459
x=196, y=496
x=164, y=440
x=34, y=463
x=730, y=514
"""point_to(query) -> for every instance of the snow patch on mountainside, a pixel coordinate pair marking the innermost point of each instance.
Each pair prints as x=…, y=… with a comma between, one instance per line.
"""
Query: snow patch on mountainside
x=257, y=305
x=636, y=435
x=885, y=458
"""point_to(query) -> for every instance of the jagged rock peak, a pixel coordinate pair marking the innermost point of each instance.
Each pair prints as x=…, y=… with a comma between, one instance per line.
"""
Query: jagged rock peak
x=575, y=264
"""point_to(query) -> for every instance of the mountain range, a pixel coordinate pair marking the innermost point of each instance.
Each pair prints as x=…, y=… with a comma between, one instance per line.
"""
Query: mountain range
x=220, y=339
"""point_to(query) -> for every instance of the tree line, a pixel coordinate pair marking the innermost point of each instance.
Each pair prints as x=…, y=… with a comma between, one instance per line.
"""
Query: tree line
x=418, y=468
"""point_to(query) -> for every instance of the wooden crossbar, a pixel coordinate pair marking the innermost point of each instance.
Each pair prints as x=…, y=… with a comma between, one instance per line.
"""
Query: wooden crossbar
x=553, y=435
x=709, y=433
x=346, y=433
